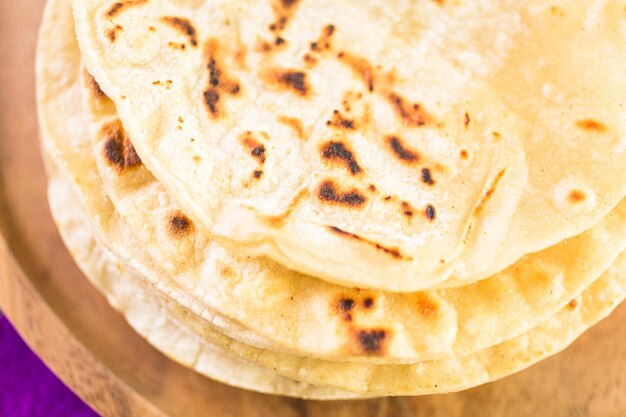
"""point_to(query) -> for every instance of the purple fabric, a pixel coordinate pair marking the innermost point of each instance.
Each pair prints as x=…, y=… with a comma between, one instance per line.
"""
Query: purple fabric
x=27, y=387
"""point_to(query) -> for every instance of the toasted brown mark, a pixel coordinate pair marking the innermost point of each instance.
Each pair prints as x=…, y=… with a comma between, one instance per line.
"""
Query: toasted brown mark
x=572, y=304
x=576, y=196
x=295, y=125
x=339, y=121
x=401, y=151
x=425, y=306
x=328, y=192
x=178, y=225
x=220, y=83
x=464, y=154
x=393, y=252
x=368, y=302
x=466, y=119
x=118, y=149
x=120, y=6
x=92, y=85
x=112, y=33
x=412, y=114
x=407, y=209
x=339, y=152
x=184, y=26
x=591, y=125
x=372, y=188
x=430, y=212
x=489, y=193
x=344, y=308
x=360, y=66
x=292, y=80
x=257, y=174
x=283, y=11
x=324, y=41
x=427, y=177
x=371, y=341
x=256, y=149
x=309, y=60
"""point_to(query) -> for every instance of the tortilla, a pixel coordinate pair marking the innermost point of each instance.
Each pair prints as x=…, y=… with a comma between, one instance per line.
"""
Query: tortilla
x=427, y=144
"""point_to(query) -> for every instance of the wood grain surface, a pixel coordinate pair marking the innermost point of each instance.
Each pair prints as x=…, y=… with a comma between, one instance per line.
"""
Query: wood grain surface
x=94, y=351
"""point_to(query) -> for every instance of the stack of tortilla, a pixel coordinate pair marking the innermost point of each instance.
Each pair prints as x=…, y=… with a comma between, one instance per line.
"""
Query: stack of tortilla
x=347, y=198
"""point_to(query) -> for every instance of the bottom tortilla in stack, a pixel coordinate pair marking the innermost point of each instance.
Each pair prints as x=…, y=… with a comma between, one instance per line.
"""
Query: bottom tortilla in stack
x=548, y=328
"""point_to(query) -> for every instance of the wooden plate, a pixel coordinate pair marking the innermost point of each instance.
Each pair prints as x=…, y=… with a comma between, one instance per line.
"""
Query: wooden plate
x=94, y=351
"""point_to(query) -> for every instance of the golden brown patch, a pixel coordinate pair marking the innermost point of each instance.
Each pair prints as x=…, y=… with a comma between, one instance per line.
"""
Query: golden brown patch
x=464, y=154
x=179, y=225
x=329, y=193
x=407, y=209
x=118, y=149
x=576, y=196
x=360, y=66
x=324, y=41
x=413, y=114
x=112, y=33
x=426, y=307
x=339, y=152
x=591, y=125
x=256, y=149
x=292, y=80
x=283, y=11
x=427, y=177
x=485, y=199
x=401, y=151
x=294, y=124
x=572, y=304
x=220, y=83
x=184, y=26
x=393, y=252
x=120, y=6
x=339, y=121
x=92, y=85
x=371, y=341
x=466, y=119
x=309, y=60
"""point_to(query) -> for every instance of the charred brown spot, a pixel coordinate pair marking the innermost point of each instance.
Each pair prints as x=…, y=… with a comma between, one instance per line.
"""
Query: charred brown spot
x=256, y=149
x=412, y=114
x=339, y=152
x=112, y=33
x=394, y=252
x=179, y=225
x=294, y=124
x=572, y=304
x=430, y=212
x=360, y=66
x=591, y=125
x=184, y=26
x=576, y=196
x=220, y=83
x=323, y=43
x=328, y=192
x=427, y=177
x=118, y=149
x=401, y=151
x=407, y=209
x=368, y=302
x=489, y=193
x=372, y=341
x=309, y=60
x=466, y=120
x=292, y=80
x=93, y=86
x=119, y=6
x=372, y=188
x=339, y=121
x=283, y=11
x=345, y=307
x=464, y=154
x=257, y=174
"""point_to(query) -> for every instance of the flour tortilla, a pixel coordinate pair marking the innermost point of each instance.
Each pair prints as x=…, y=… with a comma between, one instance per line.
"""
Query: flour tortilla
x=286, y=311
x=126, y=292
x=58, y=93
x=260, y=303
x=395, y=146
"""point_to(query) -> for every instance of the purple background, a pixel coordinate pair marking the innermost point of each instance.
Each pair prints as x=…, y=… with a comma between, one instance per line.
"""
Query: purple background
x=27, y=387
